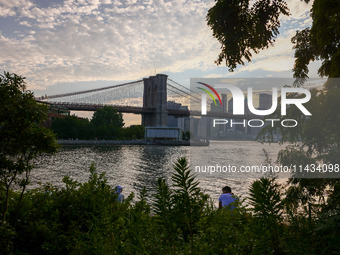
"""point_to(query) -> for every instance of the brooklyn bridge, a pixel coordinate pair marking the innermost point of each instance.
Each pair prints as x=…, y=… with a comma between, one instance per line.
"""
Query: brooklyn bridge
x=155, y=98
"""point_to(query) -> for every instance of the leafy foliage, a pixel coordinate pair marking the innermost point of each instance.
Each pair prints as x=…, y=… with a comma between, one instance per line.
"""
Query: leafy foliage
x=266, y=199
x=100, y=127
x=133, y=132
x=22, y=136
x=321, y=41
x=85, y=218
x=72, y=127
x=190, y=202
x=107, y=116
x=314, y=141
x=241, y=28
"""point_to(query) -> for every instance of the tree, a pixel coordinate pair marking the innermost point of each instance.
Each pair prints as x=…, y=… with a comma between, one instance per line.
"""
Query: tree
x=316, y=140
x=108, y=116
x=22, y=136
x=72, y=127
x=320, y=42
x=134, y=132
x=241, y=28
x=107, y=123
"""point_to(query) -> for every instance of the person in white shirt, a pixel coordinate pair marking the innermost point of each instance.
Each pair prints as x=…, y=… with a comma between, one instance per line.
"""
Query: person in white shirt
x=227, y=198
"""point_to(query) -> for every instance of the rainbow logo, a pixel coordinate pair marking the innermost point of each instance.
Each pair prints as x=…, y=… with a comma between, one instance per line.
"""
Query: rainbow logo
x=209, y=93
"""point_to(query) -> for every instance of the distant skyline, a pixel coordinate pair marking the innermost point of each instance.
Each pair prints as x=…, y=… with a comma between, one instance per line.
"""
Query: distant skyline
x=63, y=46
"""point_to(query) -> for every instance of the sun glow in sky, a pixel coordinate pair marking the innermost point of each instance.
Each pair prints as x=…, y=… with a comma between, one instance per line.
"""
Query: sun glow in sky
x=71, y=45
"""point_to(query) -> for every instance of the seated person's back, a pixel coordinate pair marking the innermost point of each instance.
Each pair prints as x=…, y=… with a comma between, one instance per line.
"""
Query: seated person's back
x=226, y=198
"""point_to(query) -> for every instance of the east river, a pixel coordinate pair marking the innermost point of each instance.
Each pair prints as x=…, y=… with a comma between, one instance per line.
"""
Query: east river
x=136, y=166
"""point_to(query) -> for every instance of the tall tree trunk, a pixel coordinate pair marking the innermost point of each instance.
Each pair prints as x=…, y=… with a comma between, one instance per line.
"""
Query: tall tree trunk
x=22, y=194
x=8, y=184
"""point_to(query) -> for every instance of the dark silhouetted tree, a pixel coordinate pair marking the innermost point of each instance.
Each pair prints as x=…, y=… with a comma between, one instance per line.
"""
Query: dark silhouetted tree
x=22, y=136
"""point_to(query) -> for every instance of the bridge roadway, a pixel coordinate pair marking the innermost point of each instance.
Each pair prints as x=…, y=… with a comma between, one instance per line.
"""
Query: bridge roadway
x=143, y=110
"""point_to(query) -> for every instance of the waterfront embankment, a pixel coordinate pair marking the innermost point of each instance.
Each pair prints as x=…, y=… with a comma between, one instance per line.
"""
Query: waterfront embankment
x=121, y=142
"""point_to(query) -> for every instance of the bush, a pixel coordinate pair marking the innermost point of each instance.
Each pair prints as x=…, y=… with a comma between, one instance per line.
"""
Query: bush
x=85, y=218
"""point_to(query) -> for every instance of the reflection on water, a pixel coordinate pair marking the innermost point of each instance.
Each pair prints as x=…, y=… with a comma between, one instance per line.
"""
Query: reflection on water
x=137, y=166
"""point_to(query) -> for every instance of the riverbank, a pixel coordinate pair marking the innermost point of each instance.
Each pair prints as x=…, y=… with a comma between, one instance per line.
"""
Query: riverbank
x=130, y=142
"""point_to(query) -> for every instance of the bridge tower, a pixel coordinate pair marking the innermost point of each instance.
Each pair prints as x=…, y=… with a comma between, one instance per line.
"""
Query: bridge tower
x=155, y=96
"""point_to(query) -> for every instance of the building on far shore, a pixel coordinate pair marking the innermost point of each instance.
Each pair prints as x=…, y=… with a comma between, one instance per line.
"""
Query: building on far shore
x=179, y=122
x=265, y=101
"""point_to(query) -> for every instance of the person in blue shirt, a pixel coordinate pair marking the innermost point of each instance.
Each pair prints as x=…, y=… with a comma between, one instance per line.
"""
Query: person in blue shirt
x=119, y=190
x=227, y=198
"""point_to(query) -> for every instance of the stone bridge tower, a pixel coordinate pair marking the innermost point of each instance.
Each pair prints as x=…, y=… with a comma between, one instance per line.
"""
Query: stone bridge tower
x=155, y=96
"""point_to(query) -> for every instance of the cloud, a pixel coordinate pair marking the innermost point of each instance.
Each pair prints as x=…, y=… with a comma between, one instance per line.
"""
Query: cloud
x=103, y=40
x=89, y=40
x=214, y=75
x=9, y=8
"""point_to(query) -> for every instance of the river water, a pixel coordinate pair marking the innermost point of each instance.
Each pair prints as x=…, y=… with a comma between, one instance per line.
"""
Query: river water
x=136, y=166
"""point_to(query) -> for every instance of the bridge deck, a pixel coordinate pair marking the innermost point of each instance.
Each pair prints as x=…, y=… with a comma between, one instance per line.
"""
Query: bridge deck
x=143, y=110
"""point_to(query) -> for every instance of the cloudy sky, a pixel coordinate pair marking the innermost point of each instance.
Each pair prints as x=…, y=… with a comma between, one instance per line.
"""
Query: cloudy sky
x=70, y=45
